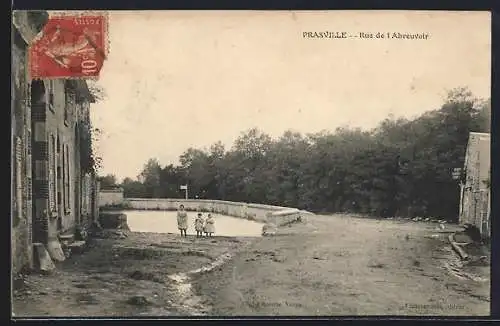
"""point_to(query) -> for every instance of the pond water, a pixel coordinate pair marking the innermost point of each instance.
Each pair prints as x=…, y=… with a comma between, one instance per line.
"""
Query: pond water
x=166, y=222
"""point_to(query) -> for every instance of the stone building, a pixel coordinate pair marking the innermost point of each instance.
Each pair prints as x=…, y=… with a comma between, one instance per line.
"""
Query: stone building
x=475, y=194
x=111, y=197
x=53, y=183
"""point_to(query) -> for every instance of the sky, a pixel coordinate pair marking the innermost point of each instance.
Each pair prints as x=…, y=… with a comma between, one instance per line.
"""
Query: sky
x=179, y=79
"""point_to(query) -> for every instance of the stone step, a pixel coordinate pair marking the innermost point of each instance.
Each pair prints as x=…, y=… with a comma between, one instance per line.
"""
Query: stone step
x=68, y=237
x=77, y=247
x=55, y=250
x=43, y=262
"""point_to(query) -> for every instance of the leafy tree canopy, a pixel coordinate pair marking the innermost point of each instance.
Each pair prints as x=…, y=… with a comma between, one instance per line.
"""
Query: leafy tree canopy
x=401, y=167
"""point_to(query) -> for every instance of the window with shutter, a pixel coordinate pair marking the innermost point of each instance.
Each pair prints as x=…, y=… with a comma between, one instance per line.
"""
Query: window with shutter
x=28, y=152
x=63, y=165
x=89, y=194
x=59, y=173
x=55, y=168
x=66, y=104
x=85, y=195
x=52, y=173
x=19, y=184
x=67, y=167
x=51, y=95
x=29, y=184
x=69, y=105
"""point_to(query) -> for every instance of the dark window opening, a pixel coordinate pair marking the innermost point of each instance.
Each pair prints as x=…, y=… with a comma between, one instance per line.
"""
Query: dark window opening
x=51, y=95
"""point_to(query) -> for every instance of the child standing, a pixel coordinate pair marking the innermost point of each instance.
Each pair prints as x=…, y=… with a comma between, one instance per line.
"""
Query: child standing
x=198, y=225
x=210, y=225
x=182, y=220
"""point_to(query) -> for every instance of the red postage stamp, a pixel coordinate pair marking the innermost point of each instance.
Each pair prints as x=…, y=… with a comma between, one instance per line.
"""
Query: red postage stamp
x=70, y=47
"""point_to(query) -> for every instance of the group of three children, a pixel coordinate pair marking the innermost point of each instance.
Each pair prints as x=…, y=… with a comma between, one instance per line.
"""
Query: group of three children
x=200, y=224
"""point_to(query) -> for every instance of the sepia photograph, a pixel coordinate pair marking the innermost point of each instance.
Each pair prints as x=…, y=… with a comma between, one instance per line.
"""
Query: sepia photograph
x=250, y=163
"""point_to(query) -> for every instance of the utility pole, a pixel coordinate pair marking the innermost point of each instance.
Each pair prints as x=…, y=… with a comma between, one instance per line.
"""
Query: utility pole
x=185, y=188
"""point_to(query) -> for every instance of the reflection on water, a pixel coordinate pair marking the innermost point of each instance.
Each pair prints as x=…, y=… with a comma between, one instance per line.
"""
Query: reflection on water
x=166, y=222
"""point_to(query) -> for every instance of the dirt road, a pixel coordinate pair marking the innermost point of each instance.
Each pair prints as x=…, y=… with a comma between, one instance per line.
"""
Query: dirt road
x=336, y=265
x=331, y=265
x=142, y=274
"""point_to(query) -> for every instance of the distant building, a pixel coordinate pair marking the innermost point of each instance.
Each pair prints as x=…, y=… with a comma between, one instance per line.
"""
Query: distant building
x=110, y=197
x=475, y=206
x=53, y=183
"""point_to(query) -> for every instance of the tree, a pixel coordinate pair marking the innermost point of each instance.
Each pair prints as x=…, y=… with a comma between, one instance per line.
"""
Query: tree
x=248, y=153
x=150, y=177
x=108, y=181
x=133, y=188
x=96, y=90
x=90, y=136
x=197, y=170
x=400, y=168
x=171, y=177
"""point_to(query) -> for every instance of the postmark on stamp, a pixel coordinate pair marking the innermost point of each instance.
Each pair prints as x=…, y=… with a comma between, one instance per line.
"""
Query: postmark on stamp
x=70, y=46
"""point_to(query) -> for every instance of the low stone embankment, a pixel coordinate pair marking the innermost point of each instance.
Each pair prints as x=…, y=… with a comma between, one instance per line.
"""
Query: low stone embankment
x=276, y=215
x=113, y=220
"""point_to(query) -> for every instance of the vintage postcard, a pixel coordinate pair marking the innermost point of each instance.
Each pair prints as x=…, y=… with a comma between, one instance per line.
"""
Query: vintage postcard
x=250, y=163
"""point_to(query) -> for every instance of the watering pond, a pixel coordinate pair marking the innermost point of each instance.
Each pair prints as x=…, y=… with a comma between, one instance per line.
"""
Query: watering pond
x=166, y=222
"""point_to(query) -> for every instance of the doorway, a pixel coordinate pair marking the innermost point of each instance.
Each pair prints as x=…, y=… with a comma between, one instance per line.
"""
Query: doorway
x=36, y=136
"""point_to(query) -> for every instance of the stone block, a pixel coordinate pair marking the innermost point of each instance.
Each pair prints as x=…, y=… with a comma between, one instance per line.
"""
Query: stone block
x=269, y=229
x=77, y=247
x=43, y=262
x=66, y=237
x=55, y=250
x=109, y=220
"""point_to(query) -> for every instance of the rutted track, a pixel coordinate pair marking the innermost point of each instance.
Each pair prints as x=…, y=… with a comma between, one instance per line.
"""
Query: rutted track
x=343, y=265
x=331, y=265
x=186, y=299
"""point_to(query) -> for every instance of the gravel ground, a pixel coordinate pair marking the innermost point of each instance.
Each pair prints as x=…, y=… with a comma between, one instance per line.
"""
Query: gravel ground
x=335, y=265
x=121, y=277
x=329, y=265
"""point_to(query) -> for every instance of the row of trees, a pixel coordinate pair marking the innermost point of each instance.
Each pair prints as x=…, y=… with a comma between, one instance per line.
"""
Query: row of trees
x=400, y=168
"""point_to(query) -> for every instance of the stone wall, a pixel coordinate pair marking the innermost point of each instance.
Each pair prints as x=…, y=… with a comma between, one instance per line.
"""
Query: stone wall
x=24, y=27
x=261, y=213
x=50, y=189
x=475, y=190
x=110, y=197
x=60, y=180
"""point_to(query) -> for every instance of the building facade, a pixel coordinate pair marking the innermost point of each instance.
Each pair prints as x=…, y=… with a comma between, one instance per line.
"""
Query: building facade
x=475, y=187
x=24, y=29
x=53, y=183
x=111, y=197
